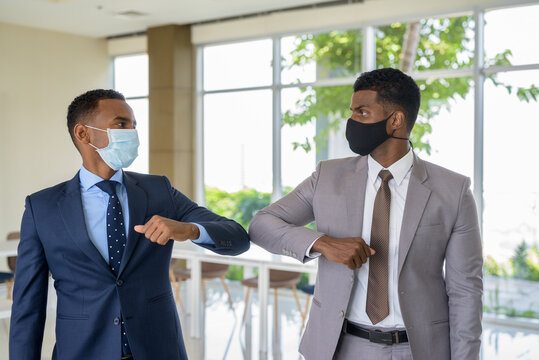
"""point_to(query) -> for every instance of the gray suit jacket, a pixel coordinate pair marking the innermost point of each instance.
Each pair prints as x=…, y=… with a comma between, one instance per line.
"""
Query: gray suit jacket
x=442, y=310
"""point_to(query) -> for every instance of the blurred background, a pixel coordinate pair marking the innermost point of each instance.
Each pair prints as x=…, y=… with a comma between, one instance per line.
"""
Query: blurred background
x=237, y=100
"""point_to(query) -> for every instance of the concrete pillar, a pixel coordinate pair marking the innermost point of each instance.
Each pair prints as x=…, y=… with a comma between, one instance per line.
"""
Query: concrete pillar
x=171, y=98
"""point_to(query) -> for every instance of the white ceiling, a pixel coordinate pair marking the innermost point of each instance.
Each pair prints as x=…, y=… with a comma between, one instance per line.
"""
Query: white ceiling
x=100, y=18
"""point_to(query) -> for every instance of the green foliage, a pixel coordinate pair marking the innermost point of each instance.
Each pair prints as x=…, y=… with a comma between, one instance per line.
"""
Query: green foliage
x=445, y=43
x=525, y=262
x=240, y=206
x=303, y=281
x=235, y=272
x=523, y=94
x=491, y=267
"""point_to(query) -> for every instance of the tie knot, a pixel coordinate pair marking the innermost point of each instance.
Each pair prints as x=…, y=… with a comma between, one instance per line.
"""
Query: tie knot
x=385, y=175
x=107, y=186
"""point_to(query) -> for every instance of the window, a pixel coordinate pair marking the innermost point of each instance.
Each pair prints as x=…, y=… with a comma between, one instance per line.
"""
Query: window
x=478, y=121
x=131, y=79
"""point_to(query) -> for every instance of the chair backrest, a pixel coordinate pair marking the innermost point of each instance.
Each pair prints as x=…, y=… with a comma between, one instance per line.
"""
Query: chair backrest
x=12, y=260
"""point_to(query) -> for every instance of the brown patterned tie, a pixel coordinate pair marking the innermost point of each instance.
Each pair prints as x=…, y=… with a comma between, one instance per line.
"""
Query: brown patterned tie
x=377, y=291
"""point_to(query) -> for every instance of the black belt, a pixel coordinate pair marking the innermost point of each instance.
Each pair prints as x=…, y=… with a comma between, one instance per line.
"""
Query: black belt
x=376, y=336
x=126, y=357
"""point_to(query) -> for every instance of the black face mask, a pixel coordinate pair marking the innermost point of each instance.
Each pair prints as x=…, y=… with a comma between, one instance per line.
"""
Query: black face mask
x=364, y=138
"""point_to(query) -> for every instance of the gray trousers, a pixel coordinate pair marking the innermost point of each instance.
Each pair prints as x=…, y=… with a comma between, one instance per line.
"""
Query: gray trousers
x=352, y=347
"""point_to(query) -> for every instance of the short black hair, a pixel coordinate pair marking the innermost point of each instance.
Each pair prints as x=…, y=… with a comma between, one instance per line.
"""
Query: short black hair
x=394, y=91
x=85, y=104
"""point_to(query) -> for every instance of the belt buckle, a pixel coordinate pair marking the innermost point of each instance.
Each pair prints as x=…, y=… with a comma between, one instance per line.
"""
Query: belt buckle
x=381, y=337
x=396, y=333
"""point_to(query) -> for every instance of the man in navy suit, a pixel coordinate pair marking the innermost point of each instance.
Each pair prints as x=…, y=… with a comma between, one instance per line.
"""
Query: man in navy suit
x=110, y=267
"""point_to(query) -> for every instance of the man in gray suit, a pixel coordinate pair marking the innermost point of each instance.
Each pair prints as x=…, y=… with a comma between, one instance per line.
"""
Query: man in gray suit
x=387, y=223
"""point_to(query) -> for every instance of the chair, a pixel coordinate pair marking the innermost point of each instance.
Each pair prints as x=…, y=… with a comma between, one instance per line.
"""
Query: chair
x=208, y=271
x=278, y=279
x=9, y=277
x=309, y=290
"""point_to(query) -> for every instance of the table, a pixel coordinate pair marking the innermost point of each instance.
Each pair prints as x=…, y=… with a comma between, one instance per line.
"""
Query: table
x=256, y=257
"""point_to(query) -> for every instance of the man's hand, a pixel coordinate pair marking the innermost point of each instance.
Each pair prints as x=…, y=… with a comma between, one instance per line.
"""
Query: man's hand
x=352, y=252
x=160, y=230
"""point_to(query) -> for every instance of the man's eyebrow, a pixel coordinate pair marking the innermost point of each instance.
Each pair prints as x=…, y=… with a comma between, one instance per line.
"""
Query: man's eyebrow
x=123, y=118
x=358, y=107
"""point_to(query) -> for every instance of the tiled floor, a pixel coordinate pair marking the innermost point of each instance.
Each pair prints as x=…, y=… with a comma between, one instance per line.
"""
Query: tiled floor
x=226, y=338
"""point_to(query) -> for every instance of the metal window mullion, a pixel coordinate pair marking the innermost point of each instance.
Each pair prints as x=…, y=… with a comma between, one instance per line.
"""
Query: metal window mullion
x=505, y=68
x=479, y=81
x=276, y=104
x=200, y=194
x=368, y=49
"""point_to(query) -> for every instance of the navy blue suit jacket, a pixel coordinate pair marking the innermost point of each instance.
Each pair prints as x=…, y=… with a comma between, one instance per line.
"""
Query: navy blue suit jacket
x=90, y=296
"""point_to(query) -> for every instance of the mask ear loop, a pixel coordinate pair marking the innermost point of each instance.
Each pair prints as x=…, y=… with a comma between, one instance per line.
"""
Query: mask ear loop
x=400, y=138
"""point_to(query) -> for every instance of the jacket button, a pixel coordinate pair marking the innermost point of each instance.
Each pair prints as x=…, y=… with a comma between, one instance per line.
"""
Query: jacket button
x=342, y=313
x=116, y=321
x=119, y=282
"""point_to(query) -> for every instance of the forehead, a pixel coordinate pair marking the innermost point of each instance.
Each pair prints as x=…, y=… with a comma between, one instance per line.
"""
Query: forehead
x=364, y=97
x=112, y=108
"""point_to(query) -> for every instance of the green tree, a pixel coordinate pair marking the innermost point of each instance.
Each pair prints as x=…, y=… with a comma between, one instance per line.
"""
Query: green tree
x=430, y=44
x=240, y=206
x=525, y=262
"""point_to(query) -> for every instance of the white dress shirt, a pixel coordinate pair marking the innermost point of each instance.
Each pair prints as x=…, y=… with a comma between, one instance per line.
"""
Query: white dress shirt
x=399, y=187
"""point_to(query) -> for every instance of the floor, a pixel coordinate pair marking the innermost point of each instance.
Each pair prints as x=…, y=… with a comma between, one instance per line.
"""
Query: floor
x=226, y=337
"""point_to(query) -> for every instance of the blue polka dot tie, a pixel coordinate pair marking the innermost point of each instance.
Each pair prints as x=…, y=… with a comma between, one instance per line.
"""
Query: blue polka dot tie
x=116, y=239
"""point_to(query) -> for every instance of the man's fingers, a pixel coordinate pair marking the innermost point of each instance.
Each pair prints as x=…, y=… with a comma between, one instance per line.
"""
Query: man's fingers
x=156, y=235
x=372, y=251
x=150, y=232
x=362, y=255
x=144, y=228
x=163, y=238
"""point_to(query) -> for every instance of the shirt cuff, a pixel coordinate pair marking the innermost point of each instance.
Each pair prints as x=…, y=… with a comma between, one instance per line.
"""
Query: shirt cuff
x=312, y=255
x=204, y=238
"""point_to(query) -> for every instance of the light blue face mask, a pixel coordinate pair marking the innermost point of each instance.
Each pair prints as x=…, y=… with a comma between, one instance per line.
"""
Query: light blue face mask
x=122, y=149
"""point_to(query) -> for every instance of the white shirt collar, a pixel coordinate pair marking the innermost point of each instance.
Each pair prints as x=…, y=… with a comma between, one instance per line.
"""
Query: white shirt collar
x=399, y=169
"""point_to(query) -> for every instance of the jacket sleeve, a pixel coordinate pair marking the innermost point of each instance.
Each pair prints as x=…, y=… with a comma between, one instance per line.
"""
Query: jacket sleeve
x=29, y=294
x=280, y=227
x=464, y=283
x=229, y=237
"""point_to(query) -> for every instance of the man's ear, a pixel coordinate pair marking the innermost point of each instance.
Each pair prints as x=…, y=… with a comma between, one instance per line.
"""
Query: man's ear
x=81, y=134
x=398, y=121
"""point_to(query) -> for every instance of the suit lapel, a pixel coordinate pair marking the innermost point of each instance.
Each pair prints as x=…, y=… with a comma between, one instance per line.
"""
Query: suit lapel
x=416, y=199
x=137, y=202
x=72, y=214
x=356, y=184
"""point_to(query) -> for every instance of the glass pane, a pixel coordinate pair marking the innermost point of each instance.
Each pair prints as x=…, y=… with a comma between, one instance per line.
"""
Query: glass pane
x=444, y=131
x=297, y=159
x=441, y=43
x=140, y=109
x=512, y=34
x=238, y=65
x=131, y=75
x=238, y=153
x=511, y=196
x=312, y=57
x=314, y=119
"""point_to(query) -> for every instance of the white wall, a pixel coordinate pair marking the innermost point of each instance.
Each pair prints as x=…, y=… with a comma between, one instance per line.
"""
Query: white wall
x=40, y=74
